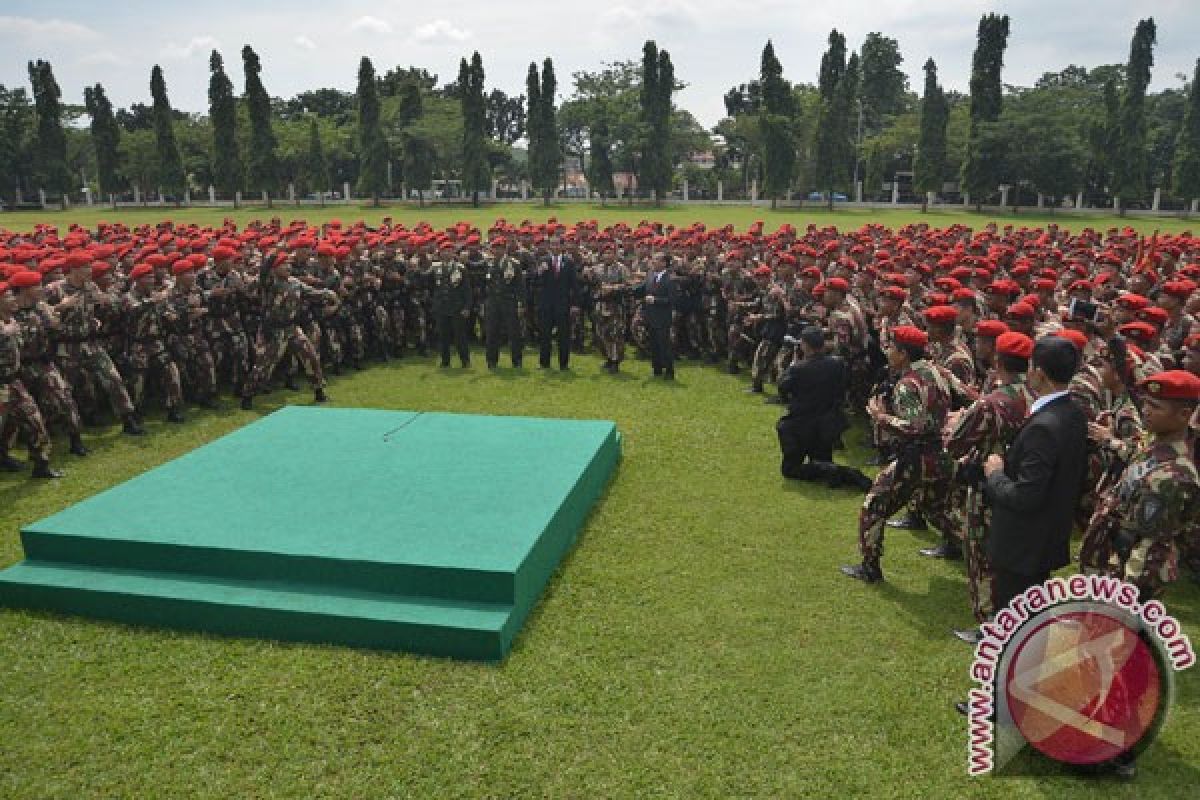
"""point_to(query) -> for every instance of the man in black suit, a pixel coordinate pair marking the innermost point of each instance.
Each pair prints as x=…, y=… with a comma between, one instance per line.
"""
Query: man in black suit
x=557, y=272
x=662, y=294
x=1034, y=488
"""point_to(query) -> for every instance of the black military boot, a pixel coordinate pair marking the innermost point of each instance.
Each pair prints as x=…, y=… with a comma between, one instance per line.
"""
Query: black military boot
x=732, y=368
x=319, y=396
x=132, y=426
x=867, y=573
x=42, y=469
x=755, y=388
x=291, y=384
x=248, y=402
x=948, y=549
x=175, y=415
x=77, y=447
x=10, y=464
x=912, y=521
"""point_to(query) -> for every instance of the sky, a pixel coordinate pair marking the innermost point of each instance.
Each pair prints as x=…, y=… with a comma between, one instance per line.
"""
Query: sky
x=713, y=44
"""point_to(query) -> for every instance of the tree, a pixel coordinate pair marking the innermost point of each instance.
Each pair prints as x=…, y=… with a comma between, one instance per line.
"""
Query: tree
x=397, y=78
x=106, y=138
x=1129, y=167
x=834, y=146
x=372, y=146
x=50, y=140
x=419, y=158
x=833, y=66
x=929, y=165
x=222, y=112
x=315, y=172
x=504, y=117
x=545, y=151
x=1187, y=152
x=262, y=165
x=779, y=154
x=16, y=131
x=884, y=86
x=600, y=168
x=170, y=164
x=477, y=173
x=658, y=85
x=985, y=155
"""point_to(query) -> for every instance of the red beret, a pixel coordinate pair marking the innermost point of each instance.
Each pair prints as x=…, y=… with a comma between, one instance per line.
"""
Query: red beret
x=304, y=241
x=1016, y=344
x=941, y=315
x=1192, y=342
x=962, y=294
x=1154, y=315
x=1043, y=285
x=1139, y=331
x=1005, y=287
x=762, y=270
x=1077, y=338
x=224, y=253
x=990, y=328
x=947, y=284
x=1133, y=302
x=500, y=241
x=1181, y=289
x=183, y=265
x=913, y=337
x=1020, y=311
x=837, y=284
x=326, y=250
x=1174, y=384
x=1080, y=285
x=895, y=292
x=140, y=271
x=100, y=269
x=937, y=298
x=25, y=280
x=809, y=272
x=78, y=258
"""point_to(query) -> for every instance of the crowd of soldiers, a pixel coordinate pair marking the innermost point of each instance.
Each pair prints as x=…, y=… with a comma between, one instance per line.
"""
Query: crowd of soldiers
x=930, y=325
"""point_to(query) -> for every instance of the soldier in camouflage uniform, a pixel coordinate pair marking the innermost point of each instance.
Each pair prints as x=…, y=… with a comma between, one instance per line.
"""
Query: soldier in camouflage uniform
x=918, y=409
x=280, y=333
x=185, y=337
x=504, y=298
x=38, y=370
x=1137, y=531
x=225, y=289
x=80, y=354
x=772, y=327
x=148, y=315
x=451, y=305
x=985, y=427
x=15, y=401
x=612, y=307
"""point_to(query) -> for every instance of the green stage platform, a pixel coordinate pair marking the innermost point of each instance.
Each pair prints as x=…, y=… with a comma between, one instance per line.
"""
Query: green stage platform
x=425, y=532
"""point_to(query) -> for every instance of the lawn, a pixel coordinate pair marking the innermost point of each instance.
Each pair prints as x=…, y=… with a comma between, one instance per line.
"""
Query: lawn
x=699, y=641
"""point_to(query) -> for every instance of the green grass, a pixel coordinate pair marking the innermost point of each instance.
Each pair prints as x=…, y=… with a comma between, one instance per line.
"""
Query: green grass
x=698, y=642
x=740, y=216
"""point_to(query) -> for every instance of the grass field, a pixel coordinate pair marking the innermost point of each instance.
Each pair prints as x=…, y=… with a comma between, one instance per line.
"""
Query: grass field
x=699, y=641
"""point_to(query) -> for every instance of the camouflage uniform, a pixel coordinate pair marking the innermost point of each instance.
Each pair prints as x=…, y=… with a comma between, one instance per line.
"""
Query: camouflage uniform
x=147, y=317
x=80, y=354
x=504, y=299
x=984, y=428
x=280, y=334
x=451, y=306
x=773, y=326
x=919, y=406
x=1137, y=531
x=38, y=371
x=612, y=310
x=188, y=346
x=15, y=400
x=226, y=333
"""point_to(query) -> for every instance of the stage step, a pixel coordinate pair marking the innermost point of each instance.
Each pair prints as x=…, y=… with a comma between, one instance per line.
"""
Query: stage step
x=274, y=610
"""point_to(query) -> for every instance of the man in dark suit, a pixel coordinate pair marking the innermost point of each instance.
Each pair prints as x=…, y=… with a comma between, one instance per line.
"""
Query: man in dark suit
x=557, y=272
x=662, y=294
x=1034, y=488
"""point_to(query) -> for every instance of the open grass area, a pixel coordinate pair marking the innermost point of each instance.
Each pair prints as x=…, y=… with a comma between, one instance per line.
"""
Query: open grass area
x=739, y=216
x=699, y=642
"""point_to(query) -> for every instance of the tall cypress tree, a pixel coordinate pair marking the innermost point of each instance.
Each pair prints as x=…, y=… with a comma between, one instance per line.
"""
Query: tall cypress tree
x=834, y=145
x=550, y=152
x=779, y=154
x=984, y=161
x=106, y=139
x=316, y=168
x=929, y=167
x=833, y=66
x=372, y=147
x=1130, y=165
x=170, y=164
x=533, y=129
x=658, y=85
x=222, y=112
x=477, y=172
x=262, y=164
x=600, y=168
x=50, y=140
x=1187, y=152
x=408, y=113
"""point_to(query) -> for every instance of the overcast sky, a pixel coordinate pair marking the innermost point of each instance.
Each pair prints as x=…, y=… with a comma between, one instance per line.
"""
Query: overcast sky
x=714, y=45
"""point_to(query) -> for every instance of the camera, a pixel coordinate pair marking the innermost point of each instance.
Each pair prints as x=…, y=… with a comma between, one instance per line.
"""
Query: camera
x=1083, y=309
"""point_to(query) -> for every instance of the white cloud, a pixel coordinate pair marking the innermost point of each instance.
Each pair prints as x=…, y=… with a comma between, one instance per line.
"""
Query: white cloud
x=43, y=29
x=667, y=15
x=371, y=24
x=305, y=42
x=197, y=44
x=440, y=29
x=101, y=58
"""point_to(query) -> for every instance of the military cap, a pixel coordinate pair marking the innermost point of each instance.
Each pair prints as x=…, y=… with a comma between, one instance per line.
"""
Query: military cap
x=1138, y=331
x=1132, y=301
x=1174, y=384
x=990, y=328
x=941, y=315
x=1154, y=315
x=140, y=271
x=1012, y=343
x=25, y=280
x=1077, y=338
x=911, y=336
x=1020, y=311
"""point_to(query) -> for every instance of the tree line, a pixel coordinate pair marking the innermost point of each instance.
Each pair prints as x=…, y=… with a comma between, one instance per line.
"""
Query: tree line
x=1096, y=133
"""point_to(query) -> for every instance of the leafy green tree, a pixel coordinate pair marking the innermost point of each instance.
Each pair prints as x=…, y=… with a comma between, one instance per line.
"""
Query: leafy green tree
x=171, y=176
x=372, y=146
x=1129, y=167
x=222, y=112
x=50, y=140
x=139, y=154
x=545, y=153
x=1187, y=153
x=477, y=173
x=884, y=86
x=834, y=147
x=106, y=139
x=775, y=121
x=315, y=174
x=262, y=164
x=658, y=86
x=600, y=168
x=929, y=165
x=985, y=155
x=17, y=121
